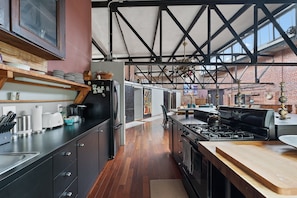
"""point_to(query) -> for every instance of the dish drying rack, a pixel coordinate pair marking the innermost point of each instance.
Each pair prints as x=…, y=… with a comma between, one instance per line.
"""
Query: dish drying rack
x=5, y=134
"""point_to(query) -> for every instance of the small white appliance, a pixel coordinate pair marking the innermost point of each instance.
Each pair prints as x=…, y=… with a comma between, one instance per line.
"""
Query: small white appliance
x=51, y=120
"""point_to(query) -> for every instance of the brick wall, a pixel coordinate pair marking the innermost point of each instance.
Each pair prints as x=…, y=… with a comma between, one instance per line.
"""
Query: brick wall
x=273, y=74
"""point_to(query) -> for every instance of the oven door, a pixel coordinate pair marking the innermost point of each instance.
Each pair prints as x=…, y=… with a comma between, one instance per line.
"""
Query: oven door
x=195, y=168
x=199, y=173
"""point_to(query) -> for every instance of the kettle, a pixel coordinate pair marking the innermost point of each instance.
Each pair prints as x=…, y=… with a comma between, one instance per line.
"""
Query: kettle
x=214, y=120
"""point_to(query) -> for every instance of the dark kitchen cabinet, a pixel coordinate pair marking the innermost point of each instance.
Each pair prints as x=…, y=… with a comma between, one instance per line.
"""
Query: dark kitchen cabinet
x=129, y=103
x=87, y=161
x=4, y=14
x=40, y=22
x=177, y=142
x=170, y=132
x=35, y=183
x=65, y=170
x=103, y=131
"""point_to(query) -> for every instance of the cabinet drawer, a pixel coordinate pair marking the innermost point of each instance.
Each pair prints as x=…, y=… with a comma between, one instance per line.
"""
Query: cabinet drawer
x=71, y=191
x=64, y=179
x=63, y=158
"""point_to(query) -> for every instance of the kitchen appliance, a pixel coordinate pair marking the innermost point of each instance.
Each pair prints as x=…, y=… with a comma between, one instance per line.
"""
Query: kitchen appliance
x=236, y=124
x=103, y=102
x=51, y=120
x=76, y=111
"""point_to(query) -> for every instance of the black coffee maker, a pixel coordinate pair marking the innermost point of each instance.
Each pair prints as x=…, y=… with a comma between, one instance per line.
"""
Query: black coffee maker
x=76, y=110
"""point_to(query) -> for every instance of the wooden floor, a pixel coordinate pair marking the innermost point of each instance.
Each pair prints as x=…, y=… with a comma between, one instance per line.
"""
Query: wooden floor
x=144, y=157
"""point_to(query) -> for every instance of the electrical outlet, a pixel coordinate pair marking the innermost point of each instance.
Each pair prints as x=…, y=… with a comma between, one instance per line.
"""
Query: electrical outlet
x=60, y=108
x=6, y=109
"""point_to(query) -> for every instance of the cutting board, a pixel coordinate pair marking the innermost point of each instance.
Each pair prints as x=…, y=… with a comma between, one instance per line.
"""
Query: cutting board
x=273, y=170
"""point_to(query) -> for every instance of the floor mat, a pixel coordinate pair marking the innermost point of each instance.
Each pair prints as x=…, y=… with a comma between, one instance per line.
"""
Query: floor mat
x=167, y=188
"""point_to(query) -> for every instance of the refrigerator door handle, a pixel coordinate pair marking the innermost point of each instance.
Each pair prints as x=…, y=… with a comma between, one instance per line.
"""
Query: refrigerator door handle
x=117, y=126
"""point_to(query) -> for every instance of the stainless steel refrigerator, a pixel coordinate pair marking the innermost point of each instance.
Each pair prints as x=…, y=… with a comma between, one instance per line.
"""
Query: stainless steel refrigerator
x=103, y=101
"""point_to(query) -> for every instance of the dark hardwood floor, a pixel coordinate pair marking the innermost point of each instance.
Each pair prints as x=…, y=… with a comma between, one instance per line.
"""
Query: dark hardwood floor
x=144, y=157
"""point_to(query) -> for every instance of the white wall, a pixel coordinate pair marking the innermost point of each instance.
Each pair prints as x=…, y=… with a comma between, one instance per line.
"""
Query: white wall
x=178, y=99
x=157, y=101
x=30, y=92
x=117, y=68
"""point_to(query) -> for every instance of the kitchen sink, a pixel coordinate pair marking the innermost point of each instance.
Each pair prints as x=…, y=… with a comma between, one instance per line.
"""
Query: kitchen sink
x=9, y=161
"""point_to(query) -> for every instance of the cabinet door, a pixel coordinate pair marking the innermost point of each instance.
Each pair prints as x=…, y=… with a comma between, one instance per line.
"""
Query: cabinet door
x=103, y=132
x=4, y=14
x=35, y=183
x=87, y=158
x=170, y=130
x=40, y=22
x=177, y=141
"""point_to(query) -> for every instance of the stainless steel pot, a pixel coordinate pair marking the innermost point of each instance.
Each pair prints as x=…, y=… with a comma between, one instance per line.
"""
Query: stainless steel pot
x=214, y=120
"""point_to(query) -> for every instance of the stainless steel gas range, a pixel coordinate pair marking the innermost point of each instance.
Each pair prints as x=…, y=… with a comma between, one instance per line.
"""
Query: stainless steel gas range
x=235, y=124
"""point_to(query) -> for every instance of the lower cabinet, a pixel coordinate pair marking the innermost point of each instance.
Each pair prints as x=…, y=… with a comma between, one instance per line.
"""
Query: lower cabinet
x=87, y=162
x=103, y=131
x=170, y=131
x=35, y=183
x=177, y=143
x=65, y=171
x=92, y=155
x=70, y=171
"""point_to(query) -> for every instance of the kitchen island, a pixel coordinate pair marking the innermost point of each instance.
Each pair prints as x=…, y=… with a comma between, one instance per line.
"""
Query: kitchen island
x=272, y=160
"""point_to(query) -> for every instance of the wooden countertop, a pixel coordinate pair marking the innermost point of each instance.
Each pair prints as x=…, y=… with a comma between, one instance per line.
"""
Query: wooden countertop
x=242, y=173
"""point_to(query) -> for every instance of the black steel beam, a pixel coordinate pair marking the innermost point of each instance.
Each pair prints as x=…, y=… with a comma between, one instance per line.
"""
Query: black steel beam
x=249, y=29
x=194, y=21
x=222, y=83
x=185, y=2
x=122, y=35
x=226, y=64
x=99, y=48
x=233, y=32
x=136, y=33
x=279, y=28
x=186, y=33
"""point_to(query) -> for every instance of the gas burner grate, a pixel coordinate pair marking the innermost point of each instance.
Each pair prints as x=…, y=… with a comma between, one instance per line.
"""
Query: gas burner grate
x=228, y=135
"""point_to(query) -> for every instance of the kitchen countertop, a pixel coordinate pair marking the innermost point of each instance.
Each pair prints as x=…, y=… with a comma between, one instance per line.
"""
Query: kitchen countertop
x=250, y=184
x=45, y=143
x=186, y=120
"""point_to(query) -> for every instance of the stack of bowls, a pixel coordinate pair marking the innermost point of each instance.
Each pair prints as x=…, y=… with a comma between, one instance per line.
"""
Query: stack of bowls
x=69, y=76
x=58, y=73
x=79, y=78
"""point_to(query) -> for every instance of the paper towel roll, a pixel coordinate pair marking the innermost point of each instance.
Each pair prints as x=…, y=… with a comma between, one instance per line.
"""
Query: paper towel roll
x=37, y=118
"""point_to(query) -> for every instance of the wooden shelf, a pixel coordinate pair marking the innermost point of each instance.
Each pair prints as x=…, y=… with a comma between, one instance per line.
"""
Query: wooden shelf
x=11, y=74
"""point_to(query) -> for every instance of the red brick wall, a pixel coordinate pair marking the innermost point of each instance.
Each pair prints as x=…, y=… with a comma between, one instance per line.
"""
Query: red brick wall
x=274, y=74
x=78, y=38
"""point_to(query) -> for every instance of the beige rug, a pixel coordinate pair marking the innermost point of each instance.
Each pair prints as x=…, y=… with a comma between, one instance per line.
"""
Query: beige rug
x=167, y=188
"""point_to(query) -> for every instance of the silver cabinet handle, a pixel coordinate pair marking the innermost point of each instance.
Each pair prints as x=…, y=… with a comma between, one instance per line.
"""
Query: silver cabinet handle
x=68, y=194
x=81, y=145
x=67, y=153
x=68, y=174
x=101, y=131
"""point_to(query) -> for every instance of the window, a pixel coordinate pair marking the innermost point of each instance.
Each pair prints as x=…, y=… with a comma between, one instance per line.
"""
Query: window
x=190, y=90
x=286, y=21
x=265, y=34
